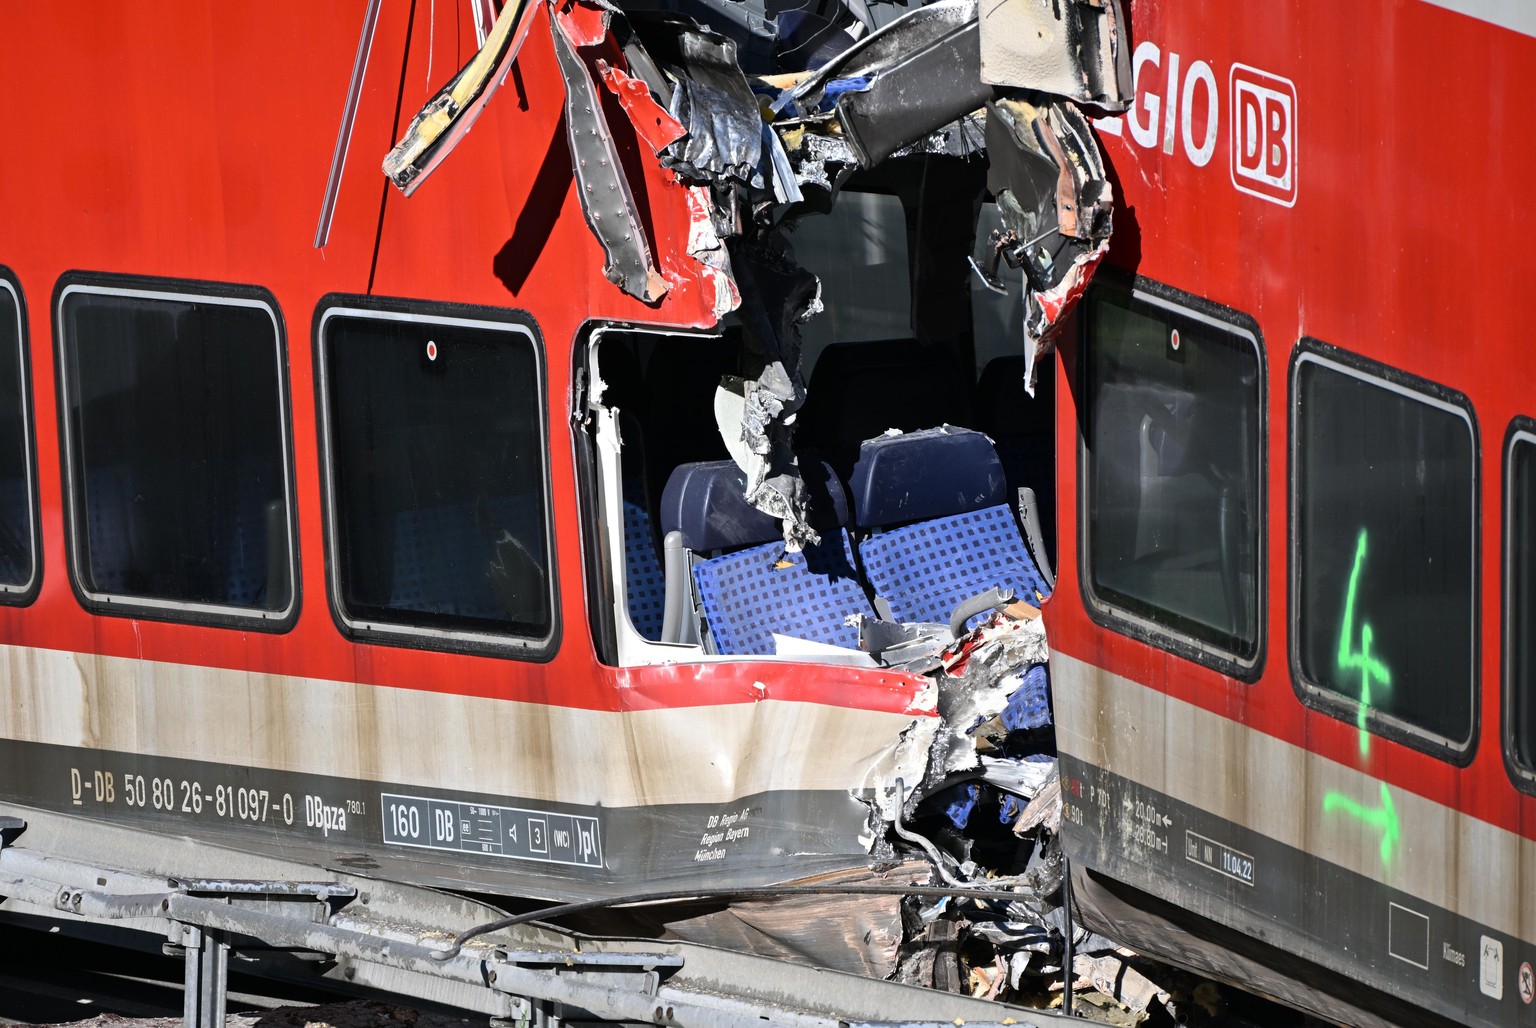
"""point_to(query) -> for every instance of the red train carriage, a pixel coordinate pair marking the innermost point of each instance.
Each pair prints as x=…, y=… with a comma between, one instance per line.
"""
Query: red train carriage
x=1290, y=637
x=473, y=542
x=343, y=550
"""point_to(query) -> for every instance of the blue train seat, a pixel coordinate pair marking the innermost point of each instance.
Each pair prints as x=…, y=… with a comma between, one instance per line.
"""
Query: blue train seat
x=747, y=587
x=644, y=580
x=937, y=529
x=448, y=559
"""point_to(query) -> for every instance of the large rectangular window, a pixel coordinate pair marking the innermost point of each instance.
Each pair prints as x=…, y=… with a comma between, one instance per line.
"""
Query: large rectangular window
x=18, y=521
x=436, y=480
x=1520, y=601
x=1172, y=452
x=1384, y=548
x=175, y=445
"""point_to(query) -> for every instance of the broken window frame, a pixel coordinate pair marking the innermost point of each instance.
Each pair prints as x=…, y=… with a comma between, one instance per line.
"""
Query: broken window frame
x=21, y=594
x=1458, y=752
x=603, y=527
x=143, y=605
x=1141, y=626
x=515, y=324
x=1519, y=696
x=605, y=523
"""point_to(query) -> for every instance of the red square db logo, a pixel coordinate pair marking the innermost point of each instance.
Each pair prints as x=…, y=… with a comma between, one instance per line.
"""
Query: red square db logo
x=1263, y=134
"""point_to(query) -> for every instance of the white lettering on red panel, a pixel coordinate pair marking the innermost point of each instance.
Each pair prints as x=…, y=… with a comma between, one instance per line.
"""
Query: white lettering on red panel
x=1182, y=109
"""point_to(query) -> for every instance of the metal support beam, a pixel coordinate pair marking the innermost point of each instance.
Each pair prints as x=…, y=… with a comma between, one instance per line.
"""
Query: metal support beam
x=207, y=979
x=391, y=937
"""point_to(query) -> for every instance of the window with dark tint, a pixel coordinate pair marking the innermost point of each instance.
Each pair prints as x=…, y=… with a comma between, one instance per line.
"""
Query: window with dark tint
x=17, y=527
x=436, y=454
x=176, y=445
x=1384, y=544
x=1172, y=472
x=1520, y=599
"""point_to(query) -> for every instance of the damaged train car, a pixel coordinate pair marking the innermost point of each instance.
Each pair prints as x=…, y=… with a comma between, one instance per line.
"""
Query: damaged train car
x=634, y=492
x=646, y=496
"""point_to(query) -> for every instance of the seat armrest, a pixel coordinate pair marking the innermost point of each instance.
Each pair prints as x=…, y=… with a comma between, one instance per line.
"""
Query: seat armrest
x=1029, y=517
x=678, y=624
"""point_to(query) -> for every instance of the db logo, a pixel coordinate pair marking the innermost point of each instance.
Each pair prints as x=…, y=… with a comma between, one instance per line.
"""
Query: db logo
x=1180, y=106
x=1263, y=134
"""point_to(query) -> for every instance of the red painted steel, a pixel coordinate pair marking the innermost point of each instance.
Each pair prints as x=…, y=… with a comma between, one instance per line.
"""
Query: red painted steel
x=1404, y=244
x=188, y=144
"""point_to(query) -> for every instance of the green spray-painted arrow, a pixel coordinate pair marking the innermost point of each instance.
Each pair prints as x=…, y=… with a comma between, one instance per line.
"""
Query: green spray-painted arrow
x=1383, y=817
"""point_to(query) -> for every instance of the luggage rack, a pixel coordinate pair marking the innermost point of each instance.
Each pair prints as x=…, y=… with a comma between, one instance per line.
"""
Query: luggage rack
x=399, y=939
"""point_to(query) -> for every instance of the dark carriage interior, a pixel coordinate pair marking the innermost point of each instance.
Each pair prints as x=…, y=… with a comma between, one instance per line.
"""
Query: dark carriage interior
x=904, y=344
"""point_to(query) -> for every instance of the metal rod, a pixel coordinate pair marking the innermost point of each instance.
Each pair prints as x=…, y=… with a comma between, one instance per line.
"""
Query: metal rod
x=1067, y=948
x=344, y=134
x=191, y=992
x=213, y=988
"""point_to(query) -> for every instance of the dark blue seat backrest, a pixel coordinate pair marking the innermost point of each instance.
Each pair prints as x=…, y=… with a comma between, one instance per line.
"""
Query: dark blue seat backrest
x=645, y=587
x=109, y=527
x=750, y=589
x=917, y=476
x=445, y=556
x=645, y=581
x=941, y=531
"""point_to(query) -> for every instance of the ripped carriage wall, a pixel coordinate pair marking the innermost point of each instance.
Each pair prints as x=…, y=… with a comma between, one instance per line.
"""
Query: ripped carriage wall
x=301, y=714
x=747, y=150
x=753, y=155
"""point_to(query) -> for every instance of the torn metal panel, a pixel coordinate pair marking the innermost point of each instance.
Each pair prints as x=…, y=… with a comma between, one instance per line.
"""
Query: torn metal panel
x=1043, y=811
x=448, y=116
x=820, y=160
x=1077, y=49
x=706, y=247
x=755, y=411
x=886, y=48
x=653, y=124
x=979, y=683
x=710, y=99
x=606, y=198
x=778, y=35
x=917, y=74
x=1054, y=196
x=1114, y=977
x=854, y=934
x=781, y=171
x=1049, y=178
x=586, y=22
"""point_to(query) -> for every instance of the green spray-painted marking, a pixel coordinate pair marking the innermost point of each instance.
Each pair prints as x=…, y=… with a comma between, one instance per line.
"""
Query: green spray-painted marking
x=1383, y=817
x=1368, y=665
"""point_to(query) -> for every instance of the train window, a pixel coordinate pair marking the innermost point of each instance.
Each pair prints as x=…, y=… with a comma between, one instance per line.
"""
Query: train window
x=858, y=252
x=1384, y=548
x=1520, y=600
x=1172, y=455
x=175, y=438
x=18, y=523
x=435, y=476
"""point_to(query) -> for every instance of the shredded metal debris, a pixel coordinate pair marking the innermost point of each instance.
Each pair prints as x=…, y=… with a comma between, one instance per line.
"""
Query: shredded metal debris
x=807, y=119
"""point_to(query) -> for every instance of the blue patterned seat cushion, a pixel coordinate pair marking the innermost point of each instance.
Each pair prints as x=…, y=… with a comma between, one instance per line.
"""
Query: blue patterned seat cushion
x=928, y=569
x=645, y=585
x=443, y=556
x=1029, y=706
x=747, y=597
